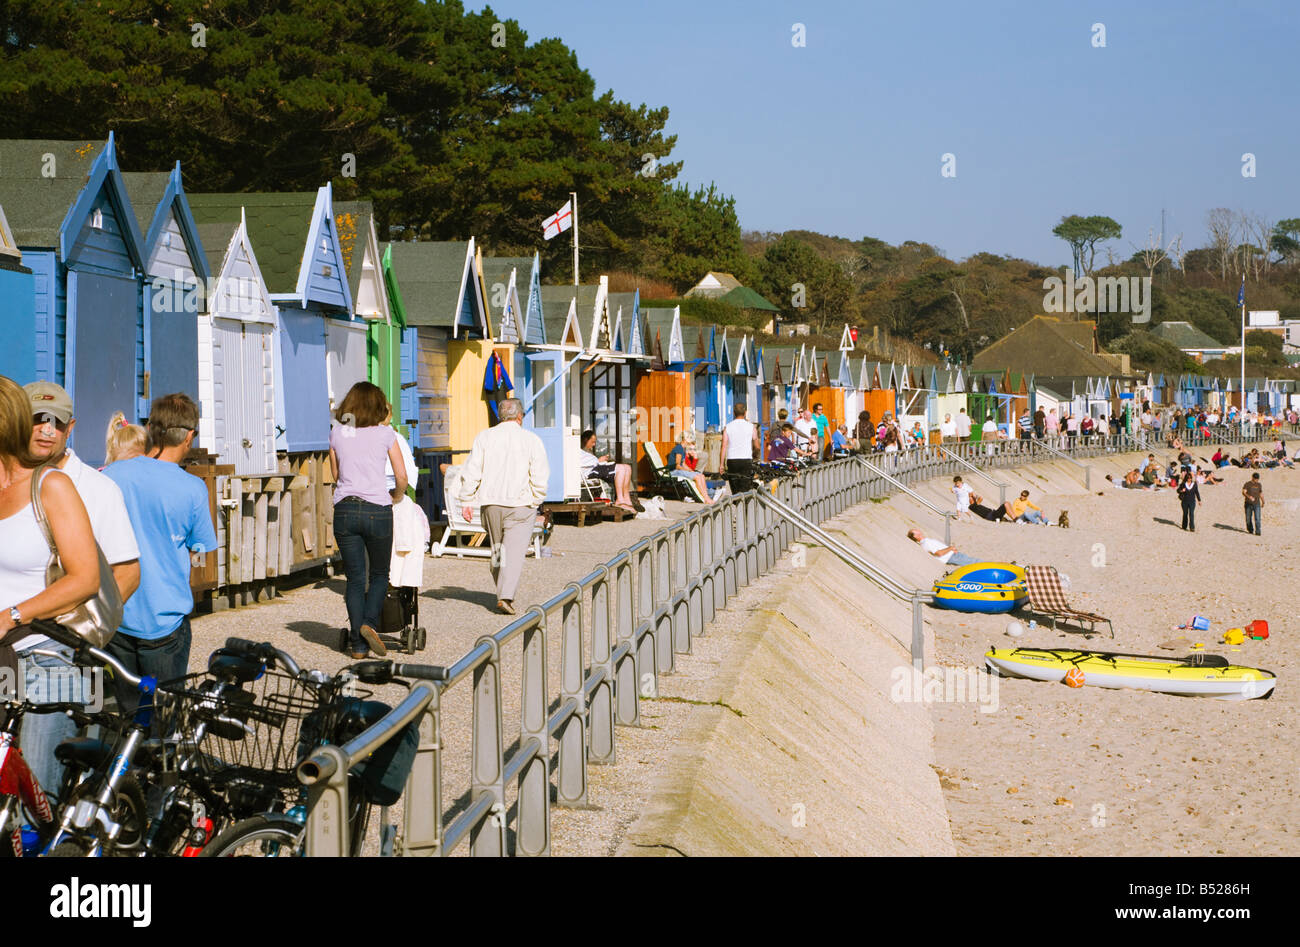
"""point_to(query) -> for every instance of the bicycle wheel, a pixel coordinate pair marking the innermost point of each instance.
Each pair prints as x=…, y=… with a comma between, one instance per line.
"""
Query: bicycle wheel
x=70, y=848
x=127, y=809
x=263, y=836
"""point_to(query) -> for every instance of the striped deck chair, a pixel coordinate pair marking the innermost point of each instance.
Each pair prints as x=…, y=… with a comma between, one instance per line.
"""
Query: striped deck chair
x=1047, y=598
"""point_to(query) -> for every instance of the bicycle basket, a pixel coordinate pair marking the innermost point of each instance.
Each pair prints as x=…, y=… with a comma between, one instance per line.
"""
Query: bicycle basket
x=258, y=732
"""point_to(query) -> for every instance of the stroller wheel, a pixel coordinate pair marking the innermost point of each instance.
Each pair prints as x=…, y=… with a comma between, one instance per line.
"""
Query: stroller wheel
x=344, y=643
x=420, y=639
x=408, y=640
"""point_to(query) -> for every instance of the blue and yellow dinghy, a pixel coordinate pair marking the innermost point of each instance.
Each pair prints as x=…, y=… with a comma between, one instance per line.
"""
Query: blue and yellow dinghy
x=992, y=587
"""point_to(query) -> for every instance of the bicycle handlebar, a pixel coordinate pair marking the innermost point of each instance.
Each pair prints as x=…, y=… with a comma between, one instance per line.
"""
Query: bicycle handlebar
x=265, y=651
x=81, y=648
x=382, y=672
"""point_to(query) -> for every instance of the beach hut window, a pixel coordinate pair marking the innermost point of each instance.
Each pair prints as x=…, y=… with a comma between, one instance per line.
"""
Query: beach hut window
x=544, y=405
x=97, y=219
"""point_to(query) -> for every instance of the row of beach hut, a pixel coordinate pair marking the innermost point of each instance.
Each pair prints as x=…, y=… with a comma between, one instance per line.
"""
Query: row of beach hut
x=267, y=308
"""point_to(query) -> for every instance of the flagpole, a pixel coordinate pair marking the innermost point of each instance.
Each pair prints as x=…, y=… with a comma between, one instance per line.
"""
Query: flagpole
x=1243, y=346
x=573, y=196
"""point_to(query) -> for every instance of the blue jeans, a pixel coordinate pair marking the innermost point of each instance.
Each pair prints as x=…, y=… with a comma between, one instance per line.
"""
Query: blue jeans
x=1254, y=518
x=48, y=681
x=961, y=559
x=164, y=658
x=1033, y=516
x=364, y=531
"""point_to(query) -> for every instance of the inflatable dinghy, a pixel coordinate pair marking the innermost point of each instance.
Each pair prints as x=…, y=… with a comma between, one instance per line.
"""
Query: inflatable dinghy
x=982, y=587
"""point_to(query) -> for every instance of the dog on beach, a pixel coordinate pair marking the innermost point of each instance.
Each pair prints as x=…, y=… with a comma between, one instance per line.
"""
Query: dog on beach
x=1064, y=521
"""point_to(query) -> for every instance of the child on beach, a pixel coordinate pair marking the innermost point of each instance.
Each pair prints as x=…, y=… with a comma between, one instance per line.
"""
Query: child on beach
x=963, y=494
x=123, y=440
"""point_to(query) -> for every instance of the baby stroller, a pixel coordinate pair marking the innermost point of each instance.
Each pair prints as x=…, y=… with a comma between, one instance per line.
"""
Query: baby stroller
x=400, y=616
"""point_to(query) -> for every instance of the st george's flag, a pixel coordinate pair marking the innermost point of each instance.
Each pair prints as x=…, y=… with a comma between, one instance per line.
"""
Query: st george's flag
x=560, y=222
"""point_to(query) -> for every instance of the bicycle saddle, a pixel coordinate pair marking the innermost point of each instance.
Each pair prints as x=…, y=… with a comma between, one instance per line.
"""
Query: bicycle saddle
x=83, y=751
x=232, y=668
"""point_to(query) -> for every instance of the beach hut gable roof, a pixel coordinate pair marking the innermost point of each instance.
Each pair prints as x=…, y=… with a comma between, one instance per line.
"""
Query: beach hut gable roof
x=241, y=291
x=396, y=305
x=359, y=244
x=846, y=339
x=724, y=350
x=534, y=324
x=159, y=201
x=440, y=286
x=665, y=325
x=322, y=274
x=501, y=280
x=8, y=247
x=100, y=224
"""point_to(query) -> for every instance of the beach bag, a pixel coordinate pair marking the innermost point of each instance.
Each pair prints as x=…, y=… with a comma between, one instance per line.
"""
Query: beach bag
x=96, y=619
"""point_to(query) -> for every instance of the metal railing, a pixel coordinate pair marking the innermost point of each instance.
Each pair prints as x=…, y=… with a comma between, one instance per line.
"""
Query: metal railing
x=946, y=514
x=620, y=628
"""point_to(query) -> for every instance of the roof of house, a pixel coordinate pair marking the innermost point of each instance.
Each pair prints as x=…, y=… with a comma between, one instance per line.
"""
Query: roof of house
x=1185, y=336
x=742, y=297
x=429, y=274
x=36, y=204
x=1044, y=346
x=278, y=226
x=714, y=284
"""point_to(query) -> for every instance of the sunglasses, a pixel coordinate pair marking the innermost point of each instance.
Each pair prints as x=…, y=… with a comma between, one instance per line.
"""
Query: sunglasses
x=40, y=420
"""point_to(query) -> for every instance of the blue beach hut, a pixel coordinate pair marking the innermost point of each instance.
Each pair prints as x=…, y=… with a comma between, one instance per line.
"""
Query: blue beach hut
x=71, y=218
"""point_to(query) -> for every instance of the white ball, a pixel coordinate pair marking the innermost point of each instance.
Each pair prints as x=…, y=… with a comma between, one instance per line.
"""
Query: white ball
x=1015, y=629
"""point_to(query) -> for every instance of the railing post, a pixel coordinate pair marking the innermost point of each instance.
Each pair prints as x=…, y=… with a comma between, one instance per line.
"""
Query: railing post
x=571, y=780
x=707, y=594
x=646, y=660
x=422, y=813
x=677, y=591
x=661, y=570
x=627, y=685
x=601, y=713
x=327, y=806
x=487, y=774
x=533, y=816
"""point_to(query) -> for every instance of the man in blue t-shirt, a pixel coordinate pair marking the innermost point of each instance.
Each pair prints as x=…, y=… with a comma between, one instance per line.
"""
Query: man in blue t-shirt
x=170, y=515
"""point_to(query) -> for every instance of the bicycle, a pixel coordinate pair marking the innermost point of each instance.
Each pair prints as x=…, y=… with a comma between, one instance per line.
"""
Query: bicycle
x=280, y=834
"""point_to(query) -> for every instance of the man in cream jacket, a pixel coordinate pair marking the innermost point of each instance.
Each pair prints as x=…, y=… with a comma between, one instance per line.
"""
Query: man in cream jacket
x=506, y=474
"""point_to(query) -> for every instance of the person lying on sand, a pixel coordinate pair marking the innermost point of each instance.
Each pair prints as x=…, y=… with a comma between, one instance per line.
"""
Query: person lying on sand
x=993, y=516
x=945, y=554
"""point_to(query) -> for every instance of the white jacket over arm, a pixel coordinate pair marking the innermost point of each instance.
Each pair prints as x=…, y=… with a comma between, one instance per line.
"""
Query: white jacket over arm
x=507, y=466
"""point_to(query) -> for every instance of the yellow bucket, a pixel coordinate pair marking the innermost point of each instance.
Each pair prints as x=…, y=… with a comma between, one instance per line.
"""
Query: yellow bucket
x=1234, y=636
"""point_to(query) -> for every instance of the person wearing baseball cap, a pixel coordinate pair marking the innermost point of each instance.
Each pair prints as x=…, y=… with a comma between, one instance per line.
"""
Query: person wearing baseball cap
x=52, y=423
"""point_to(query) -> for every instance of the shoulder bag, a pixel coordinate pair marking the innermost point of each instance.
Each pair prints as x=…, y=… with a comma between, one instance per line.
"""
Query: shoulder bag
x=96, y=619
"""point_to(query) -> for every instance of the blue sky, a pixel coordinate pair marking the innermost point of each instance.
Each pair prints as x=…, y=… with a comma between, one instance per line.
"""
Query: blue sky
x=845, y=135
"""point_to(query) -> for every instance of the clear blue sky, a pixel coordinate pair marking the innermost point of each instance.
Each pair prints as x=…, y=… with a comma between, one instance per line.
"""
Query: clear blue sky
x=845, y=136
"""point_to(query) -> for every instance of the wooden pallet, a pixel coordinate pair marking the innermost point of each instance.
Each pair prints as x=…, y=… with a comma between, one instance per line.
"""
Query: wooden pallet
x=595, y=512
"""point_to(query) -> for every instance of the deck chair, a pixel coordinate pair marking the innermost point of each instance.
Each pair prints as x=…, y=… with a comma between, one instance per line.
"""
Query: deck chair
x=678, y=488
x=1047, y=598
x=457, y=537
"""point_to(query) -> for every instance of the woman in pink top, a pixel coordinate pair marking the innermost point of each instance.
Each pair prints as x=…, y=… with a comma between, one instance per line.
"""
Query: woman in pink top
x=361, y=446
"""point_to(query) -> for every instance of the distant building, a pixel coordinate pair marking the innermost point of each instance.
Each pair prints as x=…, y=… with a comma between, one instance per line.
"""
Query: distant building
x=1265, y=320
x=1193, y=341
x=714, y=285
x=1050, y=347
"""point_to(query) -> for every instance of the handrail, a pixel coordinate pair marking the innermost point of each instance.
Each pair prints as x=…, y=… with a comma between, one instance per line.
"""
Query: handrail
x=1087, y=470
x=618, y=628
x=914, y=597
x=1002, y=487
x=946, y=514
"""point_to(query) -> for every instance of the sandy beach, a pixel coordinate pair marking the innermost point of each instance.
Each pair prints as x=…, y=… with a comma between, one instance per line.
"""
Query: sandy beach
x=1092, y=771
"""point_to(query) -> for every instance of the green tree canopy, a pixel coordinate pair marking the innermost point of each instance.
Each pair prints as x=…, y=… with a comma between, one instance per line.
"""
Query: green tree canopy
x=1083, y=234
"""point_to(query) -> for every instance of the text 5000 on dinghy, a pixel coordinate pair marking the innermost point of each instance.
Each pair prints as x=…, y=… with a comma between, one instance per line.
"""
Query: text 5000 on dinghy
x=1197, y=675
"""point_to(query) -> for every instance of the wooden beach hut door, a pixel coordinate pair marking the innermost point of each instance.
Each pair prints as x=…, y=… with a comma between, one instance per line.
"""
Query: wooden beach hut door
x=102, y=357
x=243, y=379
x=546, y=411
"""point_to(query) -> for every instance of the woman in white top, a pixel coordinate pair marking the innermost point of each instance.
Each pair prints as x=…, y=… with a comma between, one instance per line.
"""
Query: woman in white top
x=24, y=555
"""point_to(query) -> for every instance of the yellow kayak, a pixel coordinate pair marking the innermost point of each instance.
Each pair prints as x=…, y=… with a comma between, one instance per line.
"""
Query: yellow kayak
x=1197, y=675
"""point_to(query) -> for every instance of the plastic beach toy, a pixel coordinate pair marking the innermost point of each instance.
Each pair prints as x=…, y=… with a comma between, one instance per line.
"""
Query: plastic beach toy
x=1257, y=629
